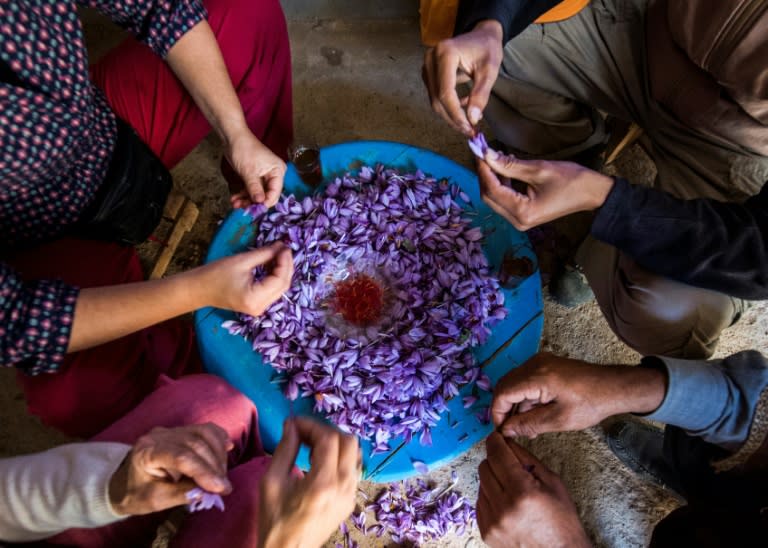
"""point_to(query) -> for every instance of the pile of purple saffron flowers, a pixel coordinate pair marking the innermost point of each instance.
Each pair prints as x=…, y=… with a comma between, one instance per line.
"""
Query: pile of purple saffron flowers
x=412, y=512
x=408, y=232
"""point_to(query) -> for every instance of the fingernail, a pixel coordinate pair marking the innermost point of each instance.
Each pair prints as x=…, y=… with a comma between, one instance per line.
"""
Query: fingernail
x=222, y=483
x=510, y=433
x=492, y=154
x=475, y=115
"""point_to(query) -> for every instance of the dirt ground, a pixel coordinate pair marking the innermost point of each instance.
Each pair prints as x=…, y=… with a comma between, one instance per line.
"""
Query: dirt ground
x=362, y=81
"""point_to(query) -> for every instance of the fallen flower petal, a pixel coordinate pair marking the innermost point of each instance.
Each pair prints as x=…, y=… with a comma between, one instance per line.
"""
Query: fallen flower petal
x=199, y=499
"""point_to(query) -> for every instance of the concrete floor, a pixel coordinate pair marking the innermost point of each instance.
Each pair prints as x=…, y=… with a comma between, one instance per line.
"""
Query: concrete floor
x=362, y=80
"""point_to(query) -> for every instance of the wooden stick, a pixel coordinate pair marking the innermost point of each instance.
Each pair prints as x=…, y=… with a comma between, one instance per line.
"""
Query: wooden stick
x=181, y=226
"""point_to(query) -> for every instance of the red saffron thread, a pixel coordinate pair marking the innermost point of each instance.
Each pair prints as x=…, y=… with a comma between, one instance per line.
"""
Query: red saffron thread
x=359, y=299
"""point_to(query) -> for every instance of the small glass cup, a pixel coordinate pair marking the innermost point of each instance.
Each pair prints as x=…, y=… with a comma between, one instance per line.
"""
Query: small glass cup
x=306, y=159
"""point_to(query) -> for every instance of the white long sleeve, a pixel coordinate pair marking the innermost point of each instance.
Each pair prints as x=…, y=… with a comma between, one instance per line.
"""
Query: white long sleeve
x=45, y=493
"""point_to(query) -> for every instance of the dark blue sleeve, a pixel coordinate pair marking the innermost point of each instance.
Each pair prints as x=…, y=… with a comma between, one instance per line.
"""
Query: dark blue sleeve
x=701, y=242
x=514, y=15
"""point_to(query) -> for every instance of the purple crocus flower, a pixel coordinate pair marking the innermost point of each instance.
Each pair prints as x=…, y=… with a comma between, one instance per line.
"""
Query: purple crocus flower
x=199, y=499
x=478, y=145
x=420, y=467
x=415, y=512
x=407, y=235
x=483, y=382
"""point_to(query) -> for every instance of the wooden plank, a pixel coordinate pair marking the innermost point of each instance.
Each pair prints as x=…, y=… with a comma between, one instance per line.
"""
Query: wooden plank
x=183, y=224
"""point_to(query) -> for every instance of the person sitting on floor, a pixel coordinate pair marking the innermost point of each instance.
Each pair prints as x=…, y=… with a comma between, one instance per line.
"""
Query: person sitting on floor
x=72, y=320
x=690, y=74
x=713, y=450
x=712, y=453
x=116, y=489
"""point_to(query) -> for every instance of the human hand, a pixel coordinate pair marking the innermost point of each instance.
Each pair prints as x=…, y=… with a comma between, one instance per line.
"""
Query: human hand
x=522, y=503
x=554, y=189
x=553, y=394
x=166, y=463
x=304, y=512
x=475, y=55
x=228, y=283
x=261, y=170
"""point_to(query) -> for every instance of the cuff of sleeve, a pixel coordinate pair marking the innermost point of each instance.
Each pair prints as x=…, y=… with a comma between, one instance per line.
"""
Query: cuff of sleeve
x=188, y=15
x=100, y=509
x=52, y=311
x=603, y=225
x=497, y=13
x=684, y=379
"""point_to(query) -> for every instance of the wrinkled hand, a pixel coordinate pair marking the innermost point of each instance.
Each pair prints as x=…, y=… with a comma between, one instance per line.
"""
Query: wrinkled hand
x=553, y=394
x=554, y=189
x=228, y=283
x=475, y=55
x=166, y=463
x=522, y=503
x=261, y=170
x=304, y=512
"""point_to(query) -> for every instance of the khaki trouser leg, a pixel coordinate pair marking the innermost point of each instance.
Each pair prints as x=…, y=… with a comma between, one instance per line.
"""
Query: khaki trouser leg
x=653, y=314
x=553, y=80
x=555, y=77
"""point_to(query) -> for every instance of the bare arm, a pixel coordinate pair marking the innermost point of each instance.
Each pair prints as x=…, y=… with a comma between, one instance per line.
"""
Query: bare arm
x=106, y=313
x=197, y=61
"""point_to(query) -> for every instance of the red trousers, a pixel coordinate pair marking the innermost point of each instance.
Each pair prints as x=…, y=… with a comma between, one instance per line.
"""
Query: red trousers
x=95, y=387
x=195, y=399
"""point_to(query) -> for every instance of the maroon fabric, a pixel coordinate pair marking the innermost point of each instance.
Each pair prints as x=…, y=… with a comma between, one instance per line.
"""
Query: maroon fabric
x=195, y=399
x=97, y=386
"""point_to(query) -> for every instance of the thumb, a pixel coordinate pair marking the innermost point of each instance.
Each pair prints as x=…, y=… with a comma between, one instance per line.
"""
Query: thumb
x=508, y=165
x=255, y=189
x=478, y=97
x=272, y=187
x=168, y=495
x=286, y=451
x=539, y=420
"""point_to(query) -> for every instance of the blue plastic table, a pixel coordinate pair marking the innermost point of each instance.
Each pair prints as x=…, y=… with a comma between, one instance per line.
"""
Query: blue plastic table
x=513, y=341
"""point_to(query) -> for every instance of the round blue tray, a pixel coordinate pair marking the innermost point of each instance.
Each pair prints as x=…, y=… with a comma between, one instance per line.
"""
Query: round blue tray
x=513, y=341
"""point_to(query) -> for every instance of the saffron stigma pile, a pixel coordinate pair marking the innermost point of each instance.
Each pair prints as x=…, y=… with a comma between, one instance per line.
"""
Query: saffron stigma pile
x=391, y=291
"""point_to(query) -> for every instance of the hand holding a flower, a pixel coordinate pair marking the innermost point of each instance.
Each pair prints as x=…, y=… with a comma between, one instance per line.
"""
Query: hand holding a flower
x=553, y=189
x=165, y=464
x=229, y=283
x=553, y=394
x=260, y=170
x=523, y=503
x=305, y=511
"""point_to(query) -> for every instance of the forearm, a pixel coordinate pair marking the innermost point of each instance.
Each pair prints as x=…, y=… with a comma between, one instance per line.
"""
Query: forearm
x=197, y=61
x=726, y=247
x=65, y=487
x=106, y=313
x=633, y=389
